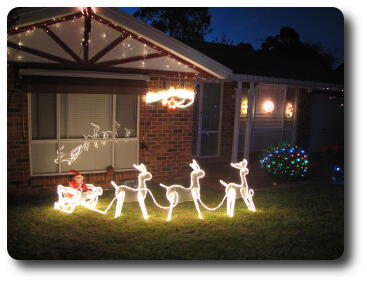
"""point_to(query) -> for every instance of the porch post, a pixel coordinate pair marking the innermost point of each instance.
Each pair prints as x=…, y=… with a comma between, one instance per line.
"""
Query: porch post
x=250, y=120
x=236, y=125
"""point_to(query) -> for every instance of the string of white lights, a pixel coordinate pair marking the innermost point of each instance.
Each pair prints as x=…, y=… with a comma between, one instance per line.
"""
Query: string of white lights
x=155, y=202
x=213, y=208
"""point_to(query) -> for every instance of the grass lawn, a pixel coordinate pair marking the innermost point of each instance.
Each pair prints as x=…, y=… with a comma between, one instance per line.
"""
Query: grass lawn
x=304, y=221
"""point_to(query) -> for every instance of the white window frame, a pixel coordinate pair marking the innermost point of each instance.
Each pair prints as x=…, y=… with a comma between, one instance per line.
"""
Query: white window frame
x=200, y=122
x=58, y=140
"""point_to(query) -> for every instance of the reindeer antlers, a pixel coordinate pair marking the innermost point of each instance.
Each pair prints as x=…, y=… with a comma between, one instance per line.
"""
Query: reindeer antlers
x=140, y=167
x=194, y=165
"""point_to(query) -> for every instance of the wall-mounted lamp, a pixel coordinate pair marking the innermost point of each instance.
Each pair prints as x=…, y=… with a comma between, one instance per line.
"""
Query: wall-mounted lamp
x=268, y=106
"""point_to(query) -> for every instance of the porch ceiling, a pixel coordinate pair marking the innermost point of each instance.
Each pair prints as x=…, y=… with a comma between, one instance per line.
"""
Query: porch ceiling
x=86, y=38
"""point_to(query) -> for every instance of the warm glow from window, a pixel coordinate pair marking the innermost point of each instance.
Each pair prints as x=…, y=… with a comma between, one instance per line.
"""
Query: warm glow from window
x=289, y=110
x=268, y=106
x=244, y=107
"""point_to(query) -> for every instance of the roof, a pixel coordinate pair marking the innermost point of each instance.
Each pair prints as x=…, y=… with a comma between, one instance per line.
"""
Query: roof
x=243, y=59
x=57, y=36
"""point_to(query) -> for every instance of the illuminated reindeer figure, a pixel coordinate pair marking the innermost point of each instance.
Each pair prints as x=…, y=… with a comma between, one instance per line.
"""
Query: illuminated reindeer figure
x=128, y=194
x=235, y=191
x=177, y=193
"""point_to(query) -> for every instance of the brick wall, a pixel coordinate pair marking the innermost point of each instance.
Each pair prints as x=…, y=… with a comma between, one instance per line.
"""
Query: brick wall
x=167, y=135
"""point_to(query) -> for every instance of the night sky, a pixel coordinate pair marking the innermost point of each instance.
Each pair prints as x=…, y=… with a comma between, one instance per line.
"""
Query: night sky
x=252, y=25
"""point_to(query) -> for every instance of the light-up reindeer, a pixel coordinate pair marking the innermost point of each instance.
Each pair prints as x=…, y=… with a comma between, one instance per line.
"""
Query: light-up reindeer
x=235, y=191
x=177, y=193
x=128, y=194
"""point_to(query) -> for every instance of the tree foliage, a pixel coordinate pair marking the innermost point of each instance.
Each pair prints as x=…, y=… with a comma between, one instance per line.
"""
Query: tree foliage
x=181, y=23
x=287, y=44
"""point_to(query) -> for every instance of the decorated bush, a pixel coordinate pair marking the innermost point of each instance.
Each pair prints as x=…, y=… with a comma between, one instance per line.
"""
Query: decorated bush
x=285, y=163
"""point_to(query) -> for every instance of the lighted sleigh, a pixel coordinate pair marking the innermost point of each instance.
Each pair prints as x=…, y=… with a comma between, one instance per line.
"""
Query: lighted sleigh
x=69, y=198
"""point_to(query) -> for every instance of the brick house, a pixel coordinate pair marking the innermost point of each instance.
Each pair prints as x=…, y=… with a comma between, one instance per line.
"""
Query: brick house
x=69, y=67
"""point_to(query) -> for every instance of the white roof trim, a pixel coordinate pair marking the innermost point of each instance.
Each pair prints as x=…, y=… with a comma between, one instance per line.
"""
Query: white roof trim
x=284, y=81
x=82, y=74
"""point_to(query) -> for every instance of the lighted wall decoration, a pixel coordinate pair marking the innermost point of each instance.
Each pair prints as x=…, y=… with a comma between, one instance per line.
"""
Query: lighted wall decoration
x=289, y=110
x=173, y=98
x=268, y=106
x=244, y=106
x=235, y=191
x=177, y=193
x=69, y=198
x=127, y=194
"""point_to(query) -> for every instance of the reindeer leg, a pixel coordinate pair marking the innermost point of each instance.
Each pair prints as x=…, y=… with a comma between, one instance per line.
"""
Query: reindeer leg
x=171, y=205
x=120, y=202
x=142, y=205
x=197, y=208
x=228, y=204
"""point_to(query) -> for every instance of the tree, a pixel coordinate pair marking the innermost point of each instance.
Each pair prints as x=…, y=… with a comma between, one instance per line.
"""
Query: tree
x=287, y=46
x=223, y=39
x=181, y=23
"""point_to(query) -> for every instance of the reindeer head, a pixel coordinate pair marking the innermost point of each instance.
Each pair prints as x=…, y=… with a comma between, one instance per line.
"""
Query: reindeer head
x=199, y=173
x=144, y=174
x=241, y=165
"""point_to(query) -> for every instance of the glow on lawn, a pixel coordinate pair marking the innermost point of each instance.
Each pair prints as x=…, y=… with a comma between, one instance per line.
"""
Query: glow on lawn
x=173, y=98
x=69, y=198
x=268, y=106
x=235, y=191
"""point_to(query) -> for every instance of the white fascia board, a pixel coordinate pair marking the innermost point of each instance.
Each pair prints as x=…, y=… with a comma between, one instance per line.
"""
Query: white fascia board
x=82, y=74
x=30, y=16
x=284, y=81
x=165, y=41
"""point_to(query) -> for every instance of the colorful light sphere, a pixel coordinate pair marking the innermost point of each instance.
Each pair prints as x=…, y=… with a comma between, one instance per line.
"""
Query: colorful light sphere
x=244, y=107
x=285, y=162
x=289, y=109
x=268, y=106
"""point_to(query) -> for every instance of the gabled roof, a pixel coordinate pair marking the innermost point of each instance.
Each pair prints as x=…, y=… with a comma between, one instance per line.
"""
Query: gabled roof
x=103, y=39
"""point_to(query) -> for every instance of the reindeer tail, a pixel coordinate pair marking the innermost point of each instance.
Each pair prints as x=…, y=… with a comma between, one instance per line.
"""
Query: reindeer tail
x=223, y=183
x=164, y=186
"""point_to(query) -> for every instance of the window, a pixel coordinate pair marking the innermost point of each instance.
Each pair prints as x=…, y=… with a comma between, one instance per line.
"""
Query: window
x=209, y=120
x=63, y=122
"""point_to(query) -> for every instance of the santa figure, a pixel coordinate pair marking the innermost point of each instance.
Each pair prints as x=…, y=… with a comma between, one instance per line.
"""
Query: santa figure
x=77, y=183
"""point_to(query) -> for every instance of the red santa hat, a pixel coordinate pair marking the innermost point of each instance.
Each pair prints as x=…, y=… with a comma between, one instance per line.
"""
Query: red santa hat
x=76, y=173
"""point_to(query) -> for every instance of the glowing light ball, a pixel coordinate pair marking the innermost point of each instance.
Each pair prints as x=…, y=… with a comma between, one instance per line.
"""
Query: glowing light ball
x=268, y=106
x=289, y=110
x=285, y=162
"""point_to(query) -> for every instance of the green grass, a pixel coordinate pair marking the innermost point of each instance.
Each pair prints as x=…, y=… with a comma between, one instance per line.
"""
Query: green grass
x=299, y=222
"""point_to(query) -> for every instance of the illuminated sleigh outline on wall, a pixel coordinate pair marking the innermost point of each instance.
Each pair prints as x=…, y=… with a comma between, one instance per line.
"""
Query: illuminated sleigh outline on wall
x=173, y=98
x=69, y=198
x=128, y=194
x=177, y=193
x=235, y=191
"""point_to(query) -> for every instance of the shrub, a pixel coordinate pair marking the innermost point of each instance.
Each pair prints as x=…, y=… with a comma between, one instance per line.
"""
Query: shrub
x=285, y=163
